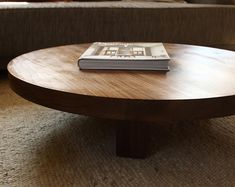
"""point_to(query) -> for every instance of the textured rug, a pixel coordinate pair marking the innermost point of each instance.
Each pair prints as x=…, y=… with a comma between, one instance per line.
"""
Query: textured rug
x=45, y=147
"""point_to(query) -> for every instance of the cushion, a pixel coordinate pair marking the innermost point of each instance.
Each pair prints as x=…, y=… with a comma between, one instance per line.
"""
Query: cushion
x=164, y=1
x=226, y=2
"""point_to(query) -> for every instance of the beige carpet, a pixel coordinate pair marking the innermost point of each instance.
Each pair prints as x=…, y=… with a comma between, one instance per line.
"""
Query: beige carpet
x=45, y=147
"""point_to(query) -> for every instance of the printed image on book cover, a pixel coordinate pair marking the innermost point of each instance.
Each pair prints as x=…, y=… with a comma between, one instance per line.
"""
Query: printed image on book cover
x=127, y=51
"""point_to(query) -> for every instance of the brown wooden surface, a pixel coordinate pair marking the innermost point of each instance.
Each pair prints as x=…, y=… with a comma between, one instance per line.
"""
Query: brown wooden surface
x=132, y=139
x=200, y=84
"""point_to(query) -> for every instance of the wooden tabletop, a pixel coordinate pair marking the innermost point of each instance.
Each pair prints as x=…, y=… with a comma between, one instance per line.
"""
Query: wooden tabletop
x=200, y=84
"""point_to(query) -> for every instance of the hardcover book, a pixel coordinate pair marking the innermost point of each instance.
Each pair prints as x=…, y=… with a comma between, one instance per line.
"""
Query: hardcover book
x=128, y=56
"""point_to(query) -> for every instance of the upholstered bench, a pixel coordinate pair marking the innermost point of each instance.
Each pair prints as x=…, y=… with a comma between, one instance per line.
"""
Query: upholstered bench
x=30, y=26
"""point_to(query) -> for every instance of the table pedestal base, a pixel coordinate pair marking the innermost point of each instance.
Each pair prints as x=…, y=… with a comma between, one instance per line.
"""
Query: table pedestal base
x=132, y=139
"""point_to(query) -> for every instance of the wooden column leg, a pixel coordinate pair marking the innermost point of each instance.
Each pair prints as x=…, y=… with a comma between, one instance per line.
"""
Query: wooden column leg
x=132, y=139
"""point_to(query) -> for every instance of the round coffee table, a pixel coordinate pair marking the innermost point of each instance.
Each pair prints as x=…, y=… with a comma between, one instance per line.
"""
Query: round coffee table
x=200, y=84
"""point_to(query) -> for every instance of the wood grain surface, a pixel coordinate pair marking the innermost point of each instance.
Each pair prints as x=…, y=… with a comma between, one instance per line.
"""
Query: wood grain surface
x=200, y=84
